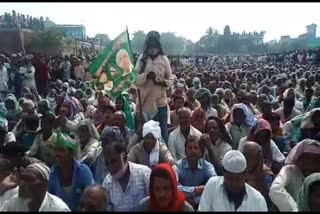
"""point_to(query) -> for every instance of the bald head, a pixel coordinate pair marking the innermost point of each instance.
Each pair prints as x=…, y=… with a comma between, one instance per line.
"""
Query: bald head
x=252, y=151
x=94, y=199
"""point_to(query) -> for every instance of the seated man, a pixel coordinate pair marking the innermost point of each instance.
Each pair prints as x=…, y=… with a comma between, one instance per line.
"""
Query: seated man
x=94, y=199
x=119, y=119
x=127, y=182
x=177, y=138
x=193, y=171
x=230, y=192
x=151, y=151
x=33, y=195
x=259, y=176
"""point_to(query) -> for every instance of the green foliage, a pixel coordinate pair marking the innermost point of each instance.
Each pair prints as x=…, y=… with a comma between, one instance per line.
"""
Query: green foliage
x=47, y=39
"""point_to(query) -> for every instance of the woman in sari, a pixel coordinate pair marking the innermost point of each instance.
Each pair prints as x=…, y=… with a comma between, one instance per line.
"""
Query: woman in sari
x=88, y=141
x=164, y=193
x=241, y=120
x=122, y=104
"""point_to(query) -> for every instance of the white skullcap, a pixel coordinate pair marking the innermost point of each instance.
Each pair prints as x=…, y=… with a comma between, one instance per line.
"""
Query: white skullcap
x=234, y=162
x=152, y=127
x=41, y=168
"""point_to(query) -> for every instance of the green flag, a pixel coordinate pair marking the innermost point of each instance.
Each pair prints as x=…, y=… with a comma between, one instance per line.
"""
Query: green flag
x=114, y=67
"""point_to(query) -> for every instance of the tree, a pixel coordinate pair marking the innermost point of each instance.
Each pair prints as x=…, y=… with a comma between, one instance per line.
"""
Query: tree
x=47, y=40
x=137, y=42
x=171, y=44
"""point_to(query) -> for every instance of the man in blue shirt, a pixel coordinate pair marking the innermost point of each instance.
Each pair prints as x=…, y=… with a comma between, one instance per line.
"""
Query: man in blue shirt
x=68, y=177
x=193, y=171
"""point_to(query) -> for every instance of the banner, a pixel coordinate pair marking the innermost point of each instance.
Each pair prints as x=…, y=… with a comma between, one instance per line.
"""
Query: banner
x=114, y=67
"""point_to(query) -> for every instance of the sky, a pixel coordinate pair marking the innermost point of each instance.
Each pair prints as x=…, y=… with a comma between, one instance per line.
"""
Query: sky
x=189, y=20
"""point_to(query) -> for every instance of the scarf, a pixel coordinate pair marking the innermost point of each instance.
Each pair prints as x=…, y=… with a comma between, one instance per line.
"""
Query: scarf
x=92, y=129
x=127, y=111
x=305, y=146
x=153, y=128
x=250, y=119
x=178, y=198
x=303, y=194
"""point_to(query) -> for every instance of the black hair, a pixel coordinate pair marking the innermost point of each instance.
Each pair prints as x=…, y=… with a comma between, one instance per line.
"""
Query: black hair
x=32, y=122
x=224, y=134
x=118, y=147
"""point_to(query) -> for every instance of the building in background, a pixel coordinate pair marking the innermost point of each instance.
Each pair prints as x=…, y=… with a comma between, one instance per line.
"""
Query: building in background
x=73, y=31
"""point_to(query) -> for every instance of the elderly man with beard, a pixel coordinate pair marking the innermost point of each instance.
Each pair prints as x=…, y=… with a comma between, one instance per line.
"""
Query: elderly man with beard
x=230, y=192
x=33, y=195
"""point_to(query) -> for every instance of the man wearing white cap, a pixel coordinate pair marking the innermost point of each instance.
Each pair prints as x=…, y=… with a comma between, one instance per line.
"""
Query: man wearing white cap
x=230, y=192
x=33, y=195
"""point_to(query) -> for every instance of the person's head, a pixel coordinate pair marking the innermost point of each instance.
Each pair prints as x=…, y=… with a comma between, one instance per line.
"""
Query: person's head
x=119, y=119
x=11, y=102
x=238, y=116
x=152, y=44
x=178, y=101
x=288, y=104
x=47, y=122
x=234, y=172
x=84, y=131
x=79, y=94
x=196, y=82
x=109, y=134
x=115, y=156
x=120, y=104
x=94, y=199
x=193, y=148
x=261, y=132
x=84, y=103
x=34, y=181
x=163, y=191
x=220, y=93
x=43, y=106
x=151, y=133
x=28, y=107
x=308, y=93
x=32, y=123
x=215, y=100
x=308, y=198
x=6, y=168
x=305, y=155
x=66, y=58
x=241, y=96
x=302, y=83
x=274, y=121
x=253, y=97
x=266, y=107
x=203, y=95
x=184, y=118
x=190, y=94
x=253, y=154
x=64, y=147
x=289, y=93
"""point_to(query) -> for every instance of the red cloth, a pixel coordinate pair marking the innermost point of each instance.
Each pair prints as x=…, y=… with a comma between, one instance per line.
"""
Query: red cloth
x=178, y=198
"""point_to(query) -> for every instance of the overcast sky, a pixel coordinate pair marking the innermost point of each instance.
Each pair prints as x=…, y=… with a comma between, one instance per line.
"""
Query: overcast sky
x=187, y=19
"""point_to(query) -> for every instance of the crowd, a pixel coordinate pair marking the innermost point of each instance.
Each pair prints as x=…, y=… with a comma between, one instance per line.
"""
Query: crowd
x=192, y=134
x=8, y=20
